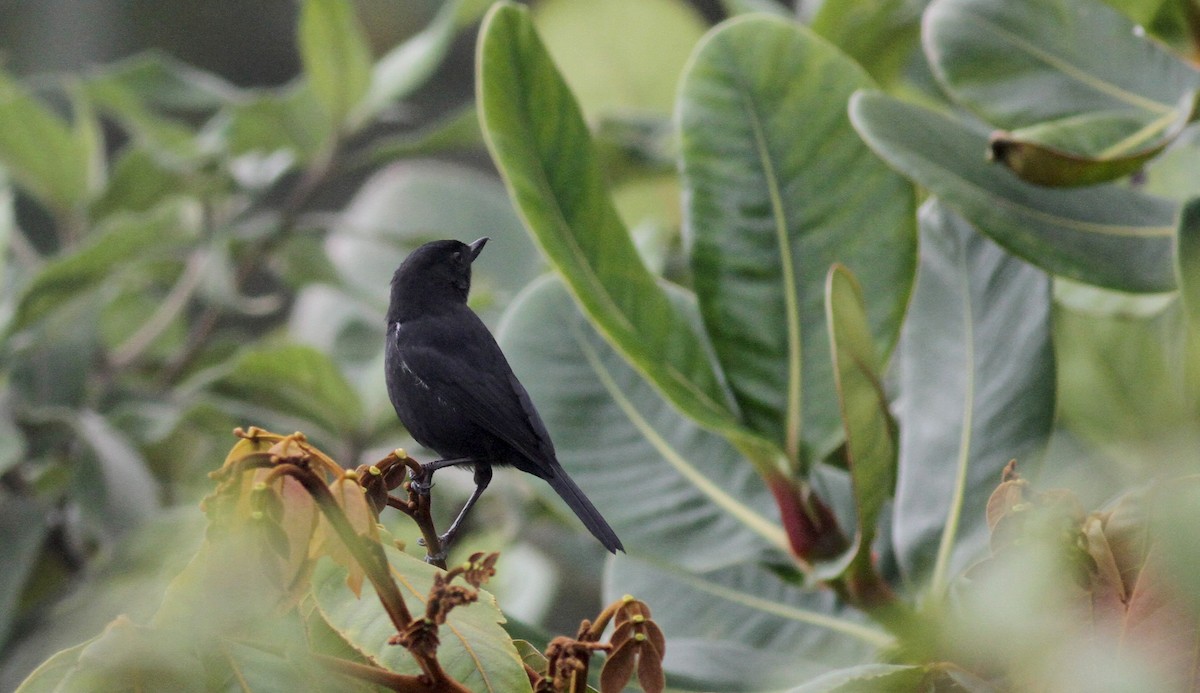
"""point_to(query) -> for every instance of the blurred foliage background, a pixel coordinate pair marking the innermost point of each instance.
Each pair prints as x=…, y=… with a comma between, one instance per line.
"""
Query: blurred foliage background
x=201, y=205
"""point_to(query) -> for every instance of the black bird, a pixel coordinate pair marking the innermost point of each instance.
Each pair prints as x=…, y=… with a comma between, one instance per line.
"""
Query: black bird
x=454, y=390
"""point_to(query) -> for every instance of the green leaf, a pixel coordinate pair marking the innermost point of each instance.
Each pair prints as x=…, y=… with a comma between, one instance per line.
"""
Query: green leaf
x=766, y=150
x=541, y=145
x=23, y=531
x=742, y=627
x=457, y=131
x=336, y=57
x=409, y=65
x=880, y=35
x=42, y=152
x=619, y=55
x=736, y=7
x=296, y=381
x=123, y=240
x=1106, y=235
x=721, y=512
x=868, y=678
x=870, y=430
x=152, y=95
x=474, y=649
x=138, y=181
x=1021, y=62
x=125, y=653
x=48, y=677
x=977, y=378
x=291, y=121
x=12, y=441
x=113, y=478
x=1175, y=22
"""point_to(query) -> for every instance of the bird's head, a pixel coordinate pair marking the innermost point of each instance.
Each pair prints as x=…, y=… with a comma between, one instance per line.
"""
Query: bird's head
x=436, y=274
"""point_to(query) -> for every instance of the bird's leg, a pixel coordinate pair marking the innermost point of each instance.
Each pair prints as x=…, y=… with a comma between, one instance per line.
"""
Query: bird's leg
x=425, y=482
x=483, y=477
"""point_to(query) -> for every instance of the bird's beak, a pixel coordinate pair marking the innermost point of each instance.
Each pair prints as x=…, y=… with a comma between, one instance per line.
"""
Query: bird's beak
x=476, y=247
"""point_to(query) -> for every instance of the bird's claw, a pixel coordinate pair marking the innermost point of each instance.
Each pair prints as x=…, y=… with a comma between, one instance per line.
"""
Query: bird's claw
x=440, y=556
x=422, y=485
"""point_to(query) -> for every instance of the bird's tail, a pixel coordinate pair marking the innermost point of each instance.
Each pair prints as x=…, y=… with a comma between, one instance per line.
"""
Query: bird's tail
x=591, y=517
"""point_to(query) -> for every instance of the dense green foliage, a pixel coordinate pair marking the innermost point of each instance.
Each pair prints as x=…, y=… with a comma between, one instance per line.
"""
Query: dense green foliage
x=815, y=281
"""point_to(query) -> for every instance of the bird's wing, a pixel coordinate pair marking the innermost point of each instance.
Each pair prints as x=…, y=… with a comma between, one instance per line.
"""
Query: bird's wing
x=467, y=367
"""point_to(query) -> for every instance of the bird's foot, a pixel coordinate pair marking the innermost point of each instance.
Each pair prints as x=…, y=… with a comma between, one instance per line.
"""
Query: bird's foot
x=421, y=484
x=444, y=541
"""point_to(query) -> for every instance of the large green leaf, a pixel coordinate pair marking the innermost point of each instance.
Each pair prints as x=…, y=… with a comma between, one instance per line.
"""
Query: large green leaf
x=337, y=60
x=742, y=627
x=778, y=187
x=539, y=141
x=1021, y=62
x=870, y=430
x=474, y=648
x=628, y=448
x=1107, y=235
x=976, y=374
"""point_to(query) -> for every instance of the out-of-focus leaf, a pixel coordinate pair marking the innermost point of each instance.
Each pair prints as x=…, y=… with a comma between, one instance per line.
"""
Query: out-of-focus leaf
x=22, y=533
x=124, y=239
x=158, y=99
x=407, y=66
x=723, y=512
x=553, y=177
x=742, y=628
x=1088, y=149
x=127, y=653
x=619, y=55
x=290, y=122
x=12, y=441
x=867, y=678
x=1175, y=22
x=879, y=35
x=8, y=226
x=977, y=379
x=336, y=57
x=1122, y=389
x=43, y=154
x=124, y=491
x=474, y=649
x=138, y=181
x=459, y=131
x=48, y=677
x=736, y=7
x=768, y=212
x=1106, y=235
x=870, y=431
x=1017, y=63
x=294, y=380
